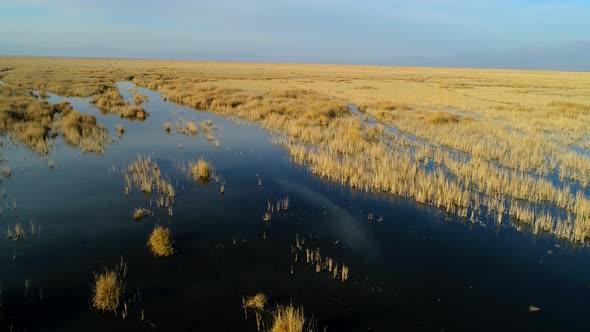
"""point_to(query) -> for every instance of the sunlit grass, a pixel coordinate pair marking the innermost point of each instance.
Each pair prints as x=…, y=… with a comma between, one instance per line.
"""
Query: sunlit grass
x=160, y=242
x=288, y=319
x=201, y=170
x=109, y=288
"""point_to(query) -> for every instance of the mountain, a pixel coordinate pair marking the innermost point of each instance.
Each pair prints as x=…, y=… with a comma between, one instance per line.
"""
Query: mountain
x=572, y=57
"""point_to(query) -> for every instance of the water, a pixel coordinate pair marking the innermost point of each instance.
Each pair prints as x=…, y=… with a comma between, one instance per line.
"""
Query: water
x=417, y=269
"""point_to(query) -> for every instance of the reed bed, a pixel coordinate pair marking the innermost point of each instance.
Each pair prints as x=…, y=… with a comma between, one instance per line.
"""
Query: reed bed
x=35, y=123
x=511, y=143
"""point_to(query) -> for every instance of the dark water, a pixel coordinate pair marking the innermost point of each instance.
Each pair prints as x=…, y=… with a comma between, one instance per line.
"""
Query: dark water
x=415, y=270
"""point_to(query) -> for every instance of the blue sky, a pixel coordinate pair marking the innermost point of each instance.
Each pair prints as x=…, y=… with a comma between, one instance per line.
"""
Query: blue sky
x=289, y=30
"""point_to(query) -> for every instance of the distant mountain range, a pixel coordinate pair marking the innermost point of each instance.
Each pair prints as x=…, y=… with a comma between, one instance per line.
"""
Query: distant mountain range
x=573, y=57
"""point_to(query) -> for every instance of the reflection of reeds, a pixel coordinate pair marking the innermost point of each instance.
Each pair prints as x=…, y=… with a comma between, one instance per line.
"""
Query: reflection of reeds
x=16, y=234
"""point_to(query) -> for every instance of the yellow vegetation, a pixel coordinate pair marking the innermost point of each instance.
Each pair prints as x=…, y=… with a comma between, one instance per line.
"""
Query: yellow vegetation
x=160, y=242
x=288, y=319
x=201, y=170
x=35, y=123
x=141, y=213
x=108, y=289
x=256, y=302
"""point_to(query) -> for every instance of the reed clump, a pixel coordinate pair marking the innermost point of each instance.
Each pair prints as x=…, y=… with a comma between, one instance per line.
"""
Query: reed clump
x=160, y=242
x=120, y=130
x=109, y=288
x=288, y=319
x=256, y=302
x=186, y=127
x=201, y=170
x=145, y=174
x=141, y=213
x=134, y=112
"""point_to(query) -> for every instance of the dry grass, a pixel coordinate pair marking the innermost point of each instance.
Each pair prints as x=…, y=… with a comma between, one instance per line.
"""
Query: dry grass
x=185, y=127
x=107, y=291
x=134, y=112
x=492, y=136
x=160, y=242
x=288, y=319
x=120, y=130
x=145, y=174
x=141, y=213
x=201, y=170
x=256, y=302
x=109, y=288
x=35, y=123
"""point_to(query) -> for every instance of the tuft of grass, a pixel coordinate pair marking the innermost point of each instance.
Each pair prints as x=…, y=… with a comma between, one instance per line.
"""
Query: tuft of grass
x=167, y=126
x=256, y=302
x=201, y=170
x=6, y=171
x=134, y=112
x=288, y=319
x=120, y=130
x=160, y=242
x=192, y=128
x=141, y=213
x=109, y=287
x=442, y=118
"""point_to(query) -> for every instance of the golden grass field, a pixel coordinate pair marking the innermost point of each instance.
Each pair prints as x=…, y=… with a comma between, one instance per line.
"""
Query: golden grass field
x=473, y=142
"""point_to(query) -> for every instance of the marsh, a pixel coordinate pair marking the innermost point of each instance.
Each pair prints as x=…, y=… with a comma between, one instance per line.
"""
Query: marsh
x=410, y=216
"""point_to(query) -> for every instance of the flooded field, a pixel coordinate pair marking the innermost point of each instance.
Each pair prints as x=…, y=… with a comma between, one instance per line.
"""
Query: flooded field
x=256, y=222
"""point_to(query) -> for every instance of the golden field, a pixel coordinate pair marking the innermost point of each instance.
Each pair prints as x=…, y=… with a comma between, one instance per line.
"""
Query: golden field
x=473, y=142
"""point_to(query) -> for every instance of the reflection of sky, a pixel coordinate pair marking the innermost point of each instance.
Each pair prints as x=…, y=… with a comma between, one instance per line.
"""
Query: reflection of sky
x=290, y=30
x=343, y=225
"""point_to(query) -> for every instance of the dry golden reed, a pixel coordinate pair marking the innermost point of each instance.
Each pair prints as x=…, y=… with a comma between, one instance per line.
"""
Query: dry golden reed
x=160, y=242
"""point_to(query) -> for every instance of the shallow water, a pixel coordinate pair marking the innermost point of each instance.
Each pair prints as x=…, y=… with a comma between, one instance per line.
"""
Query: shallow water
x=416, y=269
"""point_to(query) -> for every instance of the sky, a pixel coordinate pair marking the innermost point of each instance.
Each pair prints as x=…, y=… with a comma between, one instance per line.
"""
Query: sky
x=324, y=31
